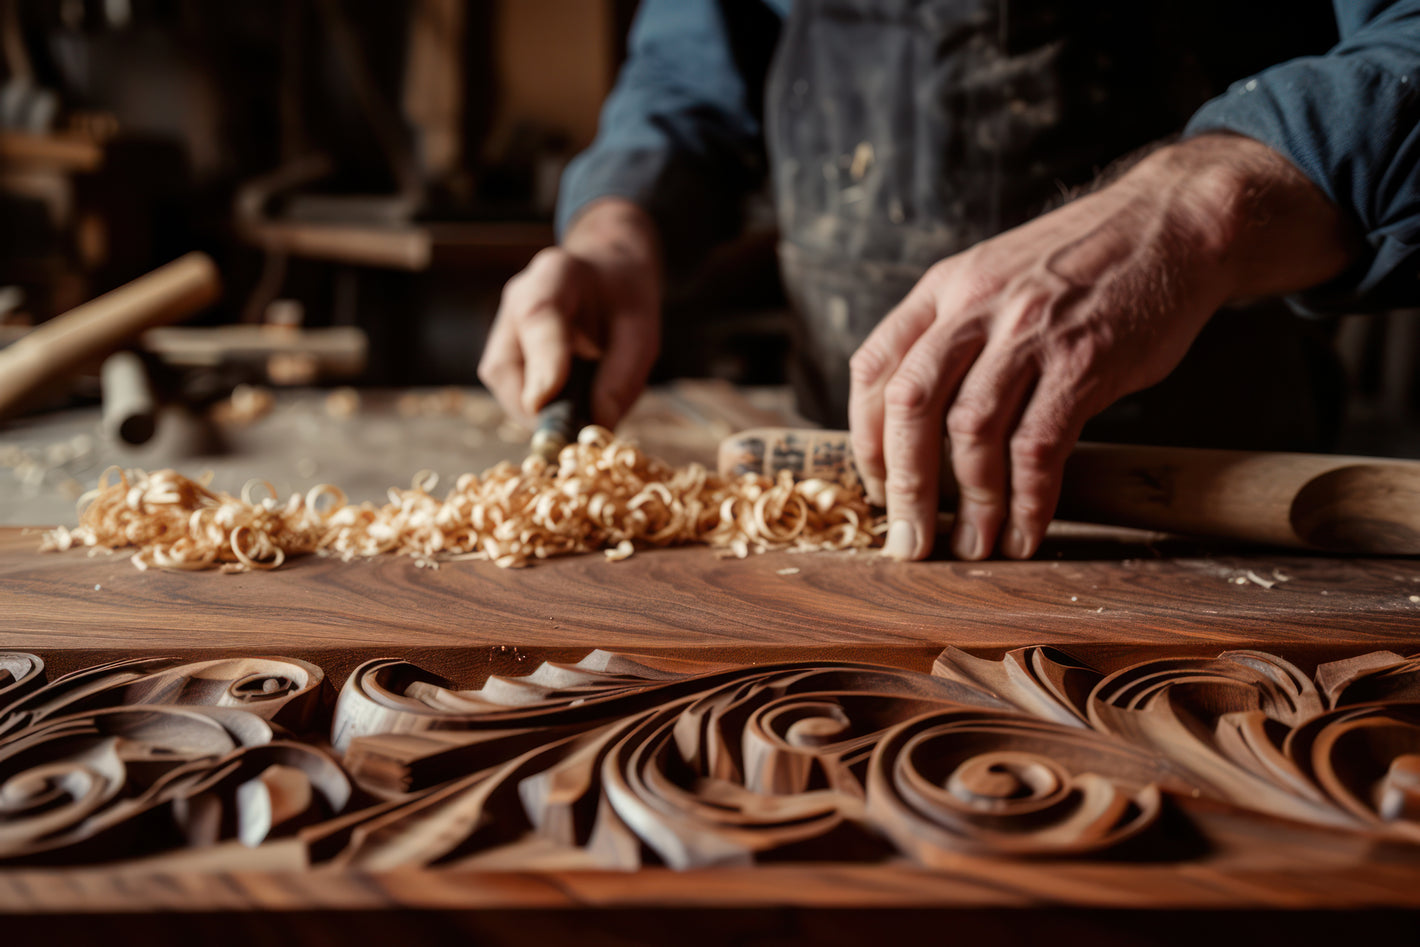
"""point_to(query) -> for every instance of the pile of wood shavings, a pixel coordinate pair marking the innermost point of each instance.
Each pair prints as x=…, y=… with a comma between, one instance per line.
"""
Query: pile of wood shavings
x=601, y=494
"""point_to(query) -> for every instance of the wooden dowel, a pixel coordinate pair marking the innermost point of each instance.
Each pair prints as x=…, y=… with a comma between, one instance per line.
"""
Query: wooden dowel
x=86, y=333
x=1313, y=501
x=1309, y=501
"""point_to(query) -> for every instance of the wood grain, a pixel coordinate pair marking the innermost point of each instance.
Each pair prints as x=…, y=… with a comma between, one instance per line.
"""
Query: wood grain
x=1091, y=591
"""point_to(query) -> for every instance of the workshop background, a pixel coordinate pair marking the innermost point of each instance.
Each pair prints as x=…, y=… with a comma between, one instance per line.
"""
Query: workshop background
x=377, y=168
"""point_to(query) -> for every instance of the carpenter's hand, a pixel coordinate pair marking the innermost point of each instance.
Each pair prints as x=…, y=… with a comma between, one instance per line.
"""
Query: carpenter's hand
x=598, y=295
x=1014, y=344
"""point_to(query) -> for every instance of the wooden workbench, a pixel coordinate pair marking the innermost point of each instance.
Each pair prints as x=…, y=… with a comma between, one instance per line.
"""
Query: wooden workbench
x=1109, y=599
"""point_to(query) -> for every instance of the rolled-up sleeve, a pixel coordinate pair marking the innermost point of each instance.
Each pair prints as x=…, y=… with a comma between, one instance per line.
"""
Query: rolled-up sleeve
x=680, y=134
x=1349, y=120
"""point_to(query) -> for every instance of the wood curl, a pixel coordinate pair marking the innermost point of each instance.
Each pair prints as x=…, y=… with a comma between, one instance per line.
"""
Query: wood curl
x=601, y=494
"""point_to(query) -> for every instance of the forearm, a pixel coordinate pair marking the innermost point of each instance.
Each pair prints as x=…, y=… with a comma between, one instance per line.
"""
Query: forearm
x=1261, y=224
x=1350, y=122
x=680, y=134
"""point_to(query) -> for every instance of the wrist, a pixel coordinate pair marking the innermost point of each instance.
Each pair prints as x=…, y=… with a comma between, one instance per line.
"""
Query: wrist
x=615, y=230
x=1260, y=224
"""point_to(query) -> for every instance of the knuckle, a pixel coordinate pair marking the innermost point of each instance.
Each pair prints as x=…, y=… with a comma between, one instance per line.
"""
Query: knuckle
x=492, y=372
x=866, y=366
x=987, y=499
x=1036, y=451
x=973, y=284
x=907, y=394
x=969, y=422
x=908, y=481
x=1030, y=509
x=546, y=259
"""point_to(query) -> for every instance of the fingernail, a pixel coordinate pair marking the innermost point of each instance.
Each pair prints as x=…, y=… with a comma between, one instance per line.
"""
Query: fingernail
x=1015, y=545
x=965, y=544
x=901, y=540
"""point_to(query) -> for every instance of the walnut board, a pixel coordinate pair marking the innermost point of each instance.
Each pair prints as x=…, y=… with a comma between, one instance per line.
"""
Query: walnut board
x=1108, y=598
x=1101, y=592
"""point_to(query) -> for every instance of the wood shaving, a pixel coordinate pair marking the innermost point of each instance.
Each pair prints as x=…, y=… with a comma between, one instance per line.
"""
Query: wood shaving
x=246, y=404
x=601, y=494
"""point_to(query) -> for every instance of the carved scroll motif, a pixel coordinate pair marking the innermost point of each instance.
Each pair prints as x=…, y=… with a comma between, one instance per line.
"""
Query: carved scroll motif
x=615, y=762
x=20, y=674
x=151, y=755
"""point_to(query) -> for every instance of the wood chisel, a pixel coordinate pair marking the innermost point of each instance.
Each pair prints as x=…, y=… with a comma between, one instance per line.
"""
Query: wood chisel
x=565, y=415
x=1328, y=502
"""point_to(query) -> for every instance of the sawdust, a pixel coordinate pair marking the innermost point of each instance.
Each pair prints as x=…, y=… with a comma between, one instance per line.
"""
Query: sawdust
x=602, y=494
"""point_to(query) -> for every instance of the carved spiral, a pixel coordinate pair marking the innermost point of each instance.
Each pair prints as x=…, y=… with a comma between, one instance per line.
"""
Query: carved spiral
x=86, y=777
x=979, y=782
x=283, y=690
x=616, y=762
x=724, y=766
x=79, y=781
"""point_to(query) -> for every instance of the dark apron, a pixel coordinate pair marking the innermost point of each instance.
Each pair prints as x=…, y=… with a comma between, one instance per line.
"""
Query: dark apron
x=901, y=132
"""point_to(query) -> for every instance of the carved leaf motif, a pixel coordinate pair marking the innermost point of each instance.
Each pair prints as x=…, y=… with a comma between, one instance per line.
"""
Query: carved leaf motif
x=20, y=674
x=149, y=755
x=1043, y=682
x=724, y=767
x=284, y=690
x=617, y=762
x=1222, y=724
x=1370, y=678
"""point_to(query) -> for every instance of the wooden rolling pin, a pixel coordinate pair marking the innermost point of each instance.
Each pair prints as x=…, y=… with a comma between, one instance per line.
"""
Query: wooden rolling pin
x=87, y=333
x=1310, y=501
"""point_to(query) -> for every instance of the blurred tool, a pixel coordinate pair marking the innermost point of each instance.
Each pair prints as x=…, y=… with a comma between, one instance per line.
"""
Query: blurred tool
x=130, y=409
x=1366, y=505
x=560, y=420
x=87, y=333
x=338, y=351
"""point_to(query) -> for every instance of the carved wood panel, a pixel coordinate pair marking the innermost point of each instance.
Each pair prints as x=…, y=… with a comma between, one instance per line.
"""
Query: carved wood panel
x=616, y=762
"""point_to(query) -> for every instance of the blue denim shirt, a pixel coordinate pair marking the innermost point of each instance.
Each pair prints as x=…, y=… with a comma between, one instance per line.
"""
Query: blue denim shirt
x=681, y=133
x=1350, y=120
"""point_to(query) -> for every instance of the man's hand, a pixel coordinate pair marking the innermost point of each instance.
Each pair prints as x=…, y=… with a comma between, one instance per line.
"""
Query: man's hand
x=1011, y=346
x=598, y=295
